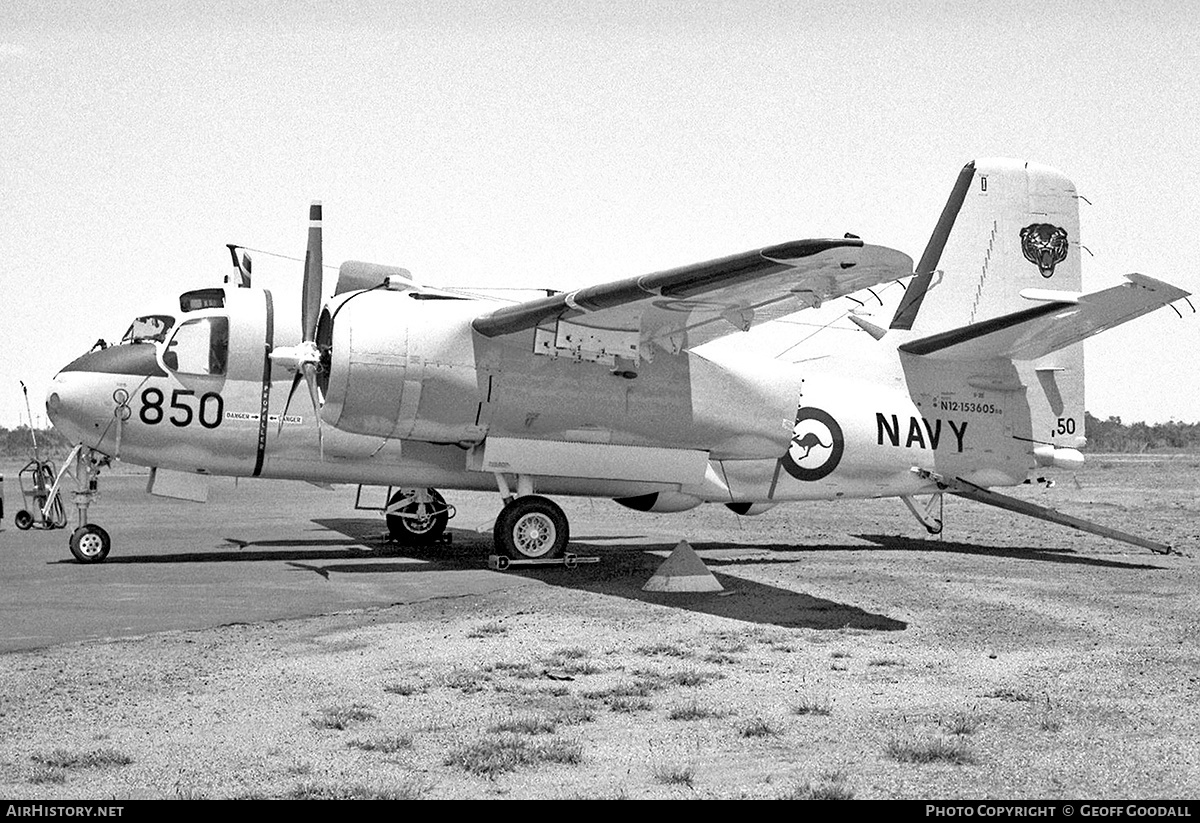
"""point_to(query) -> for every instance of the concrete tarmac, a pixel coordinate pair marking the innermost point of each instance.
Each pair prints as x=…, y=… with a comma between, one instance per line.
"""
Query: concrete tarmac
x=258, y=550
x=272, y=550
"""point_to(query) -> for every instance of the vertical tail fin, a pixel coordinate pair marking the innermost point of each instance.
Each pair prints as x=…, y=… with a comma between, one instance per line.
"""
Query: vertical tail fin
x=1009, y=227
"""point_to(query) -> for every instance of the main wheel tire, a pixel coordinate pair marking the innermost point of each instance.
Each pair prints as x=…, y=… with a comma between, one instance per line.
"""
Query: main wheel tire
x=23, y=520
x=531, y=528
x=90, y=543
x=418, y=523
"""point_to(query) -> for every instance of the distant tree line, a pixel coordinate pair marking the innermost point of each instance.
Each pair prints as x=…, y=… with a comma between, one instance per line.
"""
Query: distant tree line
x=17, y=443
x=1112, y=435
x=1109, y=435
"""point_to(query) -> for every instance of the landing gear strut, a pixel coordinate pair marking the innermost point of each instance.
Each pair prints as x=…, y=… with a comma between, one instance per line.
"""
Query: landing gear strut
x=529, y=527
x=930, y=514
x=417, y=516
x=89, y=543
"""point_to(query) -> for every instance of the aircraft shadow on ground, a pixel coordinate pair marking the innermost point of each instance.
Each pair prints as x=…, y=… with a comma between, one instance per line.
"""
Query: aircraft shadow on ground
x=624, y=569
x=898, y=543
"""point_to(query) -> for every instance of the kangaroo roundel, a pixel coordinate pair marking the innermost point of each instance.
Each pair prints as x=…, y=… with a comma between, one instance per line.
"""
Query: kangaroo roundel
x=816, y=447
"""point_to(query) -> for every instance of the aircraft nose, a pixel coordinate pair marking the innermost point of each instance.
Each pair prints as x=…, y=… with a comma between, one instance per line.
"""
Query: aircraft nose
x=53, y=404
x=72, y=407
x=83, y=399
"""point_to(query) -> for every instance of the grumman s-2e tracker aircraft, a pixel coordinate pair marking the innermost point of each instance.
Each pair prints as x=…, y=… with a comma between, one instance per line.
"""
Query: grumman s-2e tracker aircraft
x=959, y=376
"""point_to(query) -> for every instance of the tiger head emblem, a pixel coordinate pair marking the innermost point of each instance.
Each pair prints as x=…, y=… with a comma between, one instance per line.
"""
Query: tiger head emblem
x=1045, y=246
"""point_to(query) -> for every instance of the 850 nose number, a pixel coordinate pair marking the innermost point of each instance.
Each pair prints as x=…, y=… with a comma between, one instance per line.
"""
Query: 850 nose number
x=185, y=408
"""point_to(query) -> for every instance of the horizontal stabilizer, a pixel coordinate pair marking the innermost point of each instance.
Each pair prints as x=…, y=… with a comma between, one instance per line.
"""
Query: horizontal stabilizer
x=1052, y=325
x=970, y=491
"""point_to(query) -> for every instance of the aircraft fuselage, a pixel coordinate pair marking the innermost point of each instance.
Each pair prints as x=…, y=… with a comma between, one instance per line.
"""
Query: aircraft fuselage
x=414, y=398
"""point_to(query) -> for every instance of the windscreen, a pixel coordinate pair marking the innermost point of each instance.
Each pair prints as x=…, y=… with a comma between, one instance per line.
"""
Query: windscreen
x=151, y=328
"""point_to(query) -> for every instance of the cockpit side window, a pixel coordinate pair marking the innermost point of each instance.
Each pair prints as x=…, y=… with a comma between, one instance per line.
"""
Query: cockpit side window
x=199, y=346
x=152, y=328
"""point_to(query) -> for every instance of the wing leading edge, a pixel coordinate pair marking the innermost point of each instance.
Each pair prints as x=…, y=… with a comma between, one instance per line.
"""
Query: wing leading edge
x=684, y=307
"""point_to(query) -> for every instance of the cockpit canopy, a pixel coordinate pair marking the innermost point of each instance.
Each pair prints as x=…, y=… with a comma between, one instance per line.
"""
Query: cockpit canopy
x=150, y=328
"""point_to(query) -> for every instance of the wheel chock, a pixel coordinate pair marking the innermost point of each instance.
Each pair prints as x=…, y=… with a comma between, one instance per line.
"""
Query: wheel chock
x=500, y=562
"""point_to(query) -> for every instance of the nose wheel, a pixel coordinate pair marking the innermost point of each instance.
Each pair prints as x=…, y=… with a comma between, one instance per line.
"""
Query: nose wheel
x=90, y=543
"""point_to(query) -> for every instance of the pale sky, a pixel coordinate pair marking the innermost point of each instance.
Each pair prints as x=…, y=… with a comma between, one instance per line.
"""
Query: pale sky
x=562, y=144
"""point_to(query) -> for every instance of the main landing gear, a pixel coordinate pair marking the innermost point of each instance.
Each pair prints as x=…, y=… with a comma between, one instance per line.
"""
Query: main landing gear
x=529, y=527
x=416, y=517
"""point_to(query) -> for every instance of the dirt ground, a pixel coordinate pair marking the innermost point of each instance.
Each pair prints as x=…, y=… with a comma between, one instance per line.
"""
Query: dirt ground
x=847, y=656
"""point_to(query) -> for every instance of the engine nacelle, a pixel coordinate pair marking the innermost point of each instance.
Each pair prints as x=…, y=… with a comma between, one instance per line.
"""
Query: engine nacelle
x=662, y=502
x=400, y=365
x=750, y=509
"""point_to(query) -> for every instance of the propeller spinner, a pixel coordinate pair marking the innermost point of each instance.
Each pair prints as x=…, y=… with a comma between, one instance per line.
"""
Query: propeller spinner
x=305, y=357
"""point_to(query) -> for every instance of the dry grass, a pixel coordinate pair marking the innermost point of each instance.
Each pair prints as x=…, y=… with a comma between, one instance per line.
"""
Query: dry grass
x=409, y=790
x=694, y=711
x=962, y=723
x=693, y=677
x=47, y=774
x=930, y=750
x=809, y=705
x=339, y=718
x=664, y=650
x=385, y=745
x=67, y=759
x=758, y=727
x=674, y=774
x=405, y=689
x=830, y=786
x=467, y=680
x=492, y=629
x=497, y=754
x=529, y=724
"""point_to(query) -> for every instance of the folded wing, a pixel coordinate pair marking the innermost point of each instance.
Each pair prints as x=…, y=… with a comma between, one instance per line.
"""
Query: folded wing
x=1058, y=320
x=684, y=307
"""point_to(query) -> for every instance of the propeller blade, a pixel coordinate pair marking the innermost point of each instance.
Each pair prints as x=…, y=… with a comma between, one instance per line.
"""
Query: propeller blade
x=310, y=306
x=310, y=375
x=305, y=357
x=295, y=382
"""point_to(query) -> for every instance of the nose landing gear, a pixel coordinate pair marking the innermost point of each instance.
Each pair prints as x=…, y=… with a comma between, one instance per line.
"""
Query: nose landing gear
x=89, y=543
